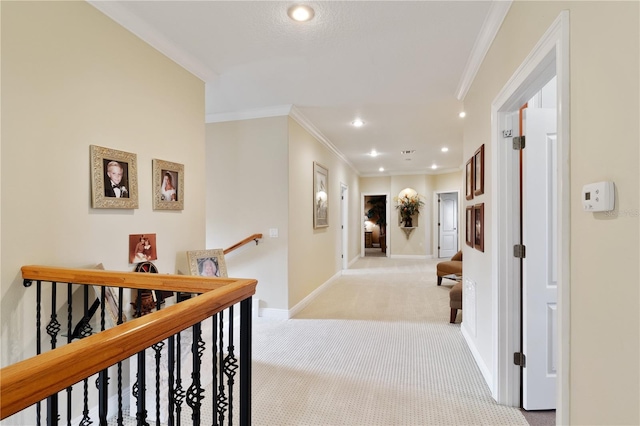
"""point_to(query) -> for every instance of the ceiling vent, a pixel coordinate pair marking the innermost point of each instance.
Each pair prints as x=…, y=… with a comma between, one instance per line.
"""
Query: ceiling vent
x=408, y=151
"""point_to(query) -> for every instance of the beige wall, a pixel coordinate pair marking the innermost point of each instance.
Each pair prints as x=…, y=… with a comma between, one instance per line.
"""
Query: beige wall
x=246, y=193
x=72, y=78
x=314, y=254
x=605, y=326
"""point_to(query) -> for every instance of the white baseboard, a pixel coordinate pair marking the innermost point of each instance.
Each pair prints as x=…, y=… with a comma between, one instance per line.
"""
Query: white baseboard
x=486, y=373
x=354, y=260
x=410, y=256
x=315, y=293
x=274, y=314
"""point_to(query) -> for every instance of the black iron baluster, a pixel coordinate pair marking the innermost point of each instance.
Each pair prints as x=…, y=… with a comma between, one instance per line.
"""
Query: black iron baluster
x=139, y=390
x=38, y=339
x=245, y=361
x=158, y=354
x=103, y=376
x=120, y=321
x=52, y=330
x=230, y=366
x=214, y=367
x=86, y=420
x=222, y=399
x=171, y=380
x=195, y=393
x=179, y=393
x=69, y=339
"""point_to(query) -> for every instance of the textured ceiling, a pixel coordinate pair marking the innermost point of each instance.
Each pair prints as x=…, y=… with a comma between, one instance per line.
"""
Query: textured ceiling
x=396, y=64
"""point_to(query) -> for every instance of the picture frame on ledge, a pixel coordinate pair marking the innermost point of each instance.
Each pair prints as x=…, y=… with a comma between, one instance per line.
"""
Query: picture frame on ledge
x=168, y=185
x=320, y=196
x=469, y=179
x=114, y=179
x=478, y=171
x=207, y=263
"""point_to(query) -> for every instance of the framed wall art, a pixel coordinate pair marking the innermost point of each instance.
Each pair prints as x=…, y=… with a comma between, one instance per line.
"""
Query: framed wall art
x=320, y=196
x=470, y=226
x=478, y=171
x=142, y=248
x=168, y=185
x=469, y=179
x=478, y=218
x=207, y=263
x=114, y=179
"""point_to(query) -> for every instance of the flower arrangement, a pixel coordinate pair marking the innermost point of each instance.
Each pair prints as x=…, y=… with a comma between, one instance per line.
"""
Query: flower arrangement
x=408, y=206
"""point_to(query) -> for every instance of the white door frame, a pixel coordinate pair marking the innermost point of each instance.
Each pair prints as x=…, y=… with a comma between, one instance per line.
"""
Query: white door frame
x=436, y=215
x=549, y=57
x=344, y=232
x=363, y=208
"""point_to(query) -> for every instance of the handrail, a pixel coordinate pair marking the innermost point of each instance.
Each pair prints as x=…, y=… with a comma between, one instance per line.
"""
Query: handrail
x=254, y=237
x=60, y=368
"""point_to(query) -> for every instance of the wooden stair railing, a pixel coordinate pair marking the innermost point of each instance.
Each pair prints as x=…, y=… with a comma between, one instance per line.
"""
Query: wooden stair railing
x=32, y=380
x=254, y=237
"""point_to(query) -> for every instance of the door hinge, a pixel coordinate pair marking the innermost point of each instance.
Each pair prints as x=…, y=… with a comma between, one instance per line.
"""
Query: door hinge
x=519, y=359
x=506, y=133
x=518, y=143
x=519, y=251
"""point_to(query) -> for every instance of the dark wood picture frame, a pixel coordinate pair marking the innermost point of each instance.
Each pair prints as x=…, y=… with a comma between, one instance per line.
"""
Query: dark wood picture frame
x=470, y=226
x=478, y=171
x=469, y=179
x=478, y=219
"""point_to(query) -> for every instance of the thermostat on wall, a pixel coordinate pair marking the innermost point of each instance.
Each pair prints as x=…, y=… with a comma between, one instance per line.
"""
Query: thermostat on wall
x=598, y=197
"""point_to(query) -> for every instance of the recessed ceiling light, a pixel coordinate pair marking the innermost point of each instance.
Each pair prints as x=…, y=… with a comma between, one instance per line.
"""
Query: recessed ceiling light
x=462, y=114
x=300, y=13
x=444, y=149
x=434, y=167
x=381, y=169
x=357, y=123
x=374, y=153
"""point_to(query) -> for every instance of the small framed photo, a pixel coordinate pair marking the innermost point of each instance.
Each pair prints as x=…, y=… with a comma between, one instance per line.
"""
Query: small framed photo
x=478, y=218
x=114, y=179
x=168, y=185
x=478, y=171
x=320, y=196
x=142, y=248
x=470, y=226
x=207, y=263
x=469, y=179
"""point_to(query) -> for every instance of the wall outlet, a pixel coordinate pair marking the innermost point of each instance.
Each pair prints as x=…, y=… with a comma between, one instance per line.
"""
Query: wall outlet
x=273, y=232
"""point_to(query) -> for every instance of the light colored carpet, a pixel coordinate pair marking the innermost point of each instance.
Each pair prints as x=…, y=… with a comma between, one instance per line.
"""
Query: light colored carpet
x=375, y=348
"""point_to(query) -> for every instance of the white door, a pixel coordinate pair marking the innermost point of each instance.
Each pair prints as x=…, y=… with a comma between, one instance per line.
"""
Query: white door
x=448, y=224
x=539, y=218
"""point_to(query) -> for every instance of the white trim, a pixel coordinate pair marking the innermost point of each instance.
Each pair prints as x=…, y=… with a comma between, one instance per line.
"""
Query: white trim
x=436, y=216
x=486, y=372
x=273, y=111
x=490, y=27
x=315, y=293
x=354, y=260
x=297, y=115
x=156, y=39
x=274, y=314
x=549, y=57
x=411, y=256
x=426, y=171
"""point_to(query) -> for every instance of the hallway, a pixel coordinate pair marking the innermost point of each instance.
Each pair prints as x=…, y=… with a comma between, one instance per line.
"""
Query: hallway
x=376, y=348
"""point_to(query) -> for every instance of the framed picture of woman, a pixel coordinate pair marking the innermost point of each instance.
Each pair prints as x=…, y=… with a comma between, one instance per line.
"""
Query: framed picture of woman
x=207, y=263
x=168, y=185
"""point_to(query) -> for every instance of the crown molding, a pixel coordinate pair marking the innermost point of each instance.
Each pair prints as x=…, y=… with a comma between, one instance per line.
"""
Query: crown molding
x=309, y=127
x=273, y=111
x=490, y=27
x=429, y=172
x=154, y=38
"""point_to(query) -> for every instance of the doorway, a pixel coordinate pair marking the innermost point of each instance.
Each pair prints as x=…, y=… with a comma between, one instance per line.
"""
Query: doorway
x=447, y=224
x=549, y=58
x=375, y=214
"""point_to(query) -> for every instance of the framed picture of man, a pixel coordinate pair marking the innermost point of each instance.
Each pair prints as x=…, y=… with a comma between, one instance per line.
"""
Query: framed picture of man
x=207, y=263
x=320, y=196
x=168, y=185
x=114, y=179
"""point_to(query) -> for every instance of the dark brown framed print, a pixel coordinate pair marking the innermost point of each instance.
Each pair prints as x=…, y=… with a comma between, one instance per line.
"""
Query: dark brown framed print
x=478, y=171
x=469, y=179
x=478, y=218
x=469, y=228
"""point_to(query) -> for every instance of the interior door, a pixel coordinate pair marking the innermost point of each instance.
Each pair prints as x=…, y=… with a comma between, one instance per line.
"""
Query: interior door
x=448, y=224
x=539, y=267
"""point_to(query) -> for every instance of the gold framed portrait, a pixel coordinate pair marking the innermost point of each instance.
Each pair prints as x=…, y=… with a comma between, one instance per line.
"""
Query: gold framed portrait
x=114, y=179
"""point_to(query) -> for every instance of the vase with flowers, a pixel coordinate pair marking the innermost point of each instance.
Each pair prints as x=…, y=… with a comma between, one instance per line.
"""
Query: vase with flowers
x=408, y=205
